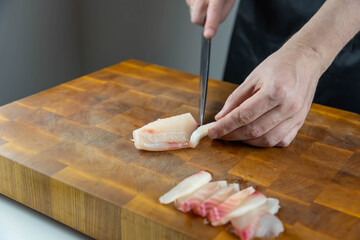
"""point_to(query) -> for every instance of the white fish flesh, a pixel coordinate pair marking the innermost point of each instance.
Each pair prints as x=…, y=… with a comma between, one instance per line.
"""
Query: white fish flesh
x=166, y=134
x=216, y=199
x=269, y=226
x=245, y=226
x=186, y=186
x=194, y=199
x=218, y=215
x=199, y=133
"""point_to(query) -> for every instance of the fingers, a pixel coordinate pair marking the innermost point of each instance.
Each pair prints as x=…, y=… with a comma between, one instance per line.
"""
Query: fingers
x=281, y=135
x=198, y=12
x=257, y=128
x=288, y=138
x=246, y=113
x=213, y=18
x=215, y=12
x=238, y=96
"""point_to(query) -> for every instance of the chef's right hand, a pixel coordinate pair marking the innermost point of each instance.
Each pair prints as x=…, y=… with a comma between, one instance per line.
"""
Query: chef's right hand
x=215, y=11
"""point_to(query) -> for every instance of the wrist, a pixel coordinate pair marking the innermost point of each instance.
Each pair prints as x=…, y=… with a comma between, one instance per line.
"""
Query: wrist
x=308, y=57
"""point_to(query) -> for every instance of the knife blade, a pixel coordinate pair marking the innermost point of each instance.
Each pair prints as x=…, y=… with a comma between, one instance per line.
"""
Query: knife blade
x=204, y=75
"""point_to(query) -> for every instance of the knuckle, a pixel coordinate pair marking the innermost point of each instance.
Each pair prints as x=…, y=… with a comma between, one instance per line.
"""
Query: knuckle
x=296, y=105
x=278, y=93
x=255, y=132
x=243, y=117
x=214, y=10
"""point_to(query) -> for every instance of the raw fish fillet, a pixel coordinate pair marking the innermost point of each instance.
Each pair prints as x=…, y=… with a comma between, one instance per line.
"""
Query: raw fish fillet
x=193, y=200
x=245, y=225
x=217, y=215
x=216, y=199
x=186, y=186
x=199, y=133
x=166, y=134
x=269, y=226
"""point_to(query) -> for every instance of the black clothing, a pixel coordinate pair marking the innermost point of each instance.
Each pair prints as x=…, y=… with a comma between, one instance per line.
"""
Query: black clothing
x=263, y=26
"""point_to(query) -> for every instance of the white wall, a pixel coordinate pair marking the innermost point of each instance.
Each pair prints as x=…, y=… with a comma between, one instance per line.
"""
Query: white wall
x=39, y=42
x=156, y=31
x=47, y=42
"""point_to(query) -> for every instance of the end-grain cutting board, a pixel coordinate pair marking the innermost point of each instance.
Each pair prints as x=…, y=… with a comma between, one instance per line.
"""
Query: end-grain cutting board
x=66, y=152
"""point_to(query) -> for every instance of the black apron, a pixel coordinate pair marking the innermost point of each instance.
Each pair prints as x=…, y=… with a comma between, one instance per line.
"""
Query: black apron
x=263, y=26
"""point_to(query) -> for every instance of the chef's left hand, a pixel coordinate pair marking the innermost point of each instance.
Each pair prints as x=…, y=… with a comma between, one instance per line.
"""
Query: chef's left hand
x=271, y=105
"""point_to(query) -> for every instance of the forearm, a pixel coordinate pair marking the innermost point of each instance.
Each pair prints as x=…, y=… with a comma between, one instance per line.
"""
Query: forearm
x=329, y=30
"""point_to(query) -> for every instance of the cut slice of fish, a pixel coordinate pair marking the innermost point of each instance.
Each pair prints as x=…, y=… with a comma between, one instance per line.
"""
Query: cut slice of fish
x=166, y=134
x=217, y=215
x=269, y=226
x=194, y=199
x=199, y=133
x=245, y=225
x=253, y=201
x=216, y=199
x=186, y=186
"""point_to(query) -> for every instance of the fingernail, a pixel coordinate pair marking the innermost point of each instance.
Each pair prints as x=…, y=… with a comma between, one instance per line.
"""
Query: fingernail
x=217, y=116
x=209, y=32
x=212, y=133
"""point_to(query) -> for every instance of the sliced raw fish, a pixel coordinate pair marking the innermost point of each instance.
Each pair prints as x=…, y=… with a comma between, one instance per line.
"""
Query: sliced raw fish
x=186, y=186
x=269, y=226
x=217, y=215
x=245, y=225
x=192, y=200
x=253, y=201
x=166, y=134
x=216, y=199
x=199, y=133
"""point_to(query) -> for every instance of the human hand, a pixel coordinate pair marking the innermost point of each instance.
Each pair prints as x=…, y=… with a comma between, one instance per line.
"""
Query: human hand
x=271, y=105
x=215, y=11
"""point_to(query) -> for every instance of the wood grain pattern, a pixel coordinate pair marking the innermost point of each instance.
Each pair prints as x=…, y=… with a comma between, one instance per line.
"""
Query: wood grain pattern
x=66, y=152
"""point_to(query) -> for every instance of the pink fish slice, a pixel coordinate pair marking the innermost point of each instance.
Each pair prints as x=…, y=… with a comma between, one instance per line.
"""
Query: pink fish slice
x=217, y=215
x=253, y=201
x=186, y=186
x=216, y=199
x=192, y=200
x=245, y=225
x=269, y=226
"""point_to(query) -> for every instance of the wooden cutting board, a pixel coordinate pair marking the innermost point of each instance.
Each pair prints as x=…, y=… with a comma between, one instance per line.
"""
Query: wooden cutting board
x=66, y=152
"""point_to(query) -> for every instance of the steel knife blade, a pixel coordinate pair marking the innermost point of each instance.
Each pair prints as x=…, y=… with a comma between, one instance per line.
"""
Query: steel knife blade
x=204, y=75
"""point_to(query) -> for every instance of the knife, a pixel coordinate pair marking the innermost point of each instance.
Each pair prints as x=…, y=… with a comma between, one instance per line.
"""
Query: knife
x=204, y=75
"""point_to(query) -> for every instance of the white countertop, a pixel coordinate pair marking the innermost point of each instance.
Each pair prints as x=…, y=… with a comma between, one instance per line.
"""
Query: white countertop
x=18, y=222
